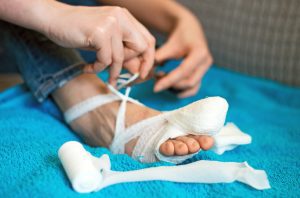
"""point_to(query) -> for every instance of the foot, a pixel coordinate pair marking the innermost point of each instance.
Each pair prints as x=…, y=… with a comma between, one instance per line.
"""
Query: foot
x=97, y=126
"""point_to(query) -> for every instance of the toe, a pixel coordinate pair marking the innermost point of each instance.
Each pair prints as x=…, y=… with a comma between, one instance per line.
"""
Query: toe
x=206, y=142
x=180, y=147
x=192, y=144
x=167, y=148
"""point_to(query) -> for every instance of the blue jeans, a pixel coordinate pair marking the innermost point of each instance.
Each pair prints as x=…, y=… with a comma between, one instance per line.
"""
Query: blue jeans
x=43, y=65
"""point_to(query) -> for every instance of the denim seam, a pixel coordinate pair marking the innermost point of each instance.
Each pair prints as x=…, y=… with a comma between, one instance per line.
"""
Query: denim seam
x=51, y=84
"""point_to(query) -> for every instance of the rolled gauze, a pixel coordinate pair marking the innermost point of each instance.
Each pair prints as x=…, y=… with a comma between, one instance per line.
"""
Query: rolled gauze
x=90, y=174
x=79, y=167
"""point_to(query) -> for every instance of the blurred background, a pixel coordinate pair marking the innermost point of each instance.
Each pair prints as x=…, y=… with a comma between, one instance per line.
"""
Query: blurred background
x=258, y=37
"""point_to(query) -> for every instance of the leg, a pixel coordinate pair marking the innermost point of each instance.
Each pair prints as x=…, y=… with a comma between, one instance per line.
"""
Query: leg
x=45, y=67
x=97, y=126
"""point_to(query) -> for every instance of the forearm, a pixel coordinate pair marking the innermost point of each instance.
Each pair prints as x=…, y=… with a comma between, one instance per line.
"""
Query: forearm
x=159, y=14
x=31, y=14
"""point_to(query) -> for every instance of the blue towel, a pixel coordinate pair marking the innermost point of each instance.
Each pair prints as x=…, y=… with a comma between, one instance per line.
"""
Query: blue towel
x=31, y=133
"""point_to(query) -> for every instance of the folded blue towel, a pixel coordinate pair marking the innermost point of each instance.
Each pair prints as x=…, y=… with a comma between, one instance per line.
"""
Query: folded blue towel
x=31, y=133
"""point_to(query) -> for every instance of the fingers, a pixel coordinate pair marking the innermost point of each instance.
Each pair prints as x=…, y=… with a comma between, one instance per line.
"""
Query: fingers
x=193, y=80
x=185, y=68
x=189, y=92
x=191, y=84
x=166, y=51
x=104, y=58
x=148, y=60
x=187, y=76
x=149, y=52
x=133, y=65
x=130, y=53
x=101, y=42
x=134, y=40
x=120, y=38
x=117, y=58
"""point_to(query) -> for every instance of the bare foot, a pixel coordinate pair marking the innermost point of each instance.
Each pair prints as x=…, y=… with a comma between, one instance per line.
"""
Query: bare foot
x=97, y=126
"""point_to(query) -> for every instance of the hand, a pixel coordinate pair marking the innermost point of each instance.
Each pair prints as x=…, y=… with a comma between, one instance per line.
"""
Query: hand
x=112, y=31
x=186, y=41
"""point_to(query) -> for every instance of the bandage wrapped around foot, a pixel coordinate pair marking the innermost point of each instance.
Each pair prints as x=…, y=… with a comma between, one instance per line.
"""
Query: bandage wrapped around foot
x=89, y=174
x=203, y=117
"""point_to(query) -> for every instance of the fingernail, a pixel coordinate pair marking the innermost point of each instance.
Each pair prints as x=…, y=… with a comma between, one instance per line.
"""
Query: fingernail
x=112, y=82
x=143, y=75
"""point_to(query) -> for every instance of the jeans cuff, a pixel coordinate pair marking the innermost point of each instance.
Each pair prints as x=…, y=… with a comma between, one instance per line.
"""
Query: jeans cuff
x=58, y=80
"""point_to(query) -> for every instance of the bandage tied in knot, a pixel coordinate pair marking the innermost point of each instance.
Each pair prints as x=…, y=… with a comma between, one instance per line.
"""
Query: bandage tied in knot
x=203, y=117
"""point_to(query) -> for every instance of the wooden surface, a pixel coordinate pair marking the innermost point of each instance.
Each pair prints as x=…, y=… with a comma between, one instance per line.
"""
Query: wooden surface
x=8, y=80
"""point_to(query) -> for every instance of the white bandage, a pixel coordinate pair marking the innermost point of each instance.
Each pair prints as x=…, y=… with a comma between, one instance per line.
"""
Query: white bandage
x=89, y=174
x=229, y=137
x=203, y=117
x=82, y=173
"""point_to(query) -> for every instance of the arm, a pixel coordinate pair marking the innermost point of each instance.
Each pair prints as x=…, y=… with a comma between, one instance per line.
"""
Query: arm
x=31, y=14
x=159, y=14
x=96, y=28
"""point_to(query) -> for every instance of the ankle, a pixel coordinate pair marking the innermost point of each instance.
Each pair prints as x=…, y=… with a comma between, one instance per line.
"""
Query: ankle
x=78, y=89
x=136, y=113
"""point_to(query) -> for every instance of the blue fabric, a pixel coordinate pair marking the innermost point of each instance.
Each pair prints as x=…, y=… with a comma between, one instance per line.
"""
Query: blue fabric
x=31, y=133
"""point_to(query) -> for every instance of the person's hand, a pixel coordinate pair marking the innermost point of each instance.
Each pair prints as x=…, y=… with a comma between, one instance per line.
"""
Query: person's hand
x=112, y=31
x=186, y=41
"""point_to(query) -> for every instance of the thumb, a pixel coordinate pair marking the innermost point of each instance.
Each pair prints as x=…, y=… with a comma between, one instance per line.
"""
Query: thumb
x=165, y=52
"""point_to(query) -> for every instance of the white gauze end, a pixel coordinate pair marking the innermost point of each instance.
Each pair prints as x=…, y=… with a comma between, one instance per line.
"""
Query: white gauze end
x=79, y=167
x=206, y=116
x=228, y=138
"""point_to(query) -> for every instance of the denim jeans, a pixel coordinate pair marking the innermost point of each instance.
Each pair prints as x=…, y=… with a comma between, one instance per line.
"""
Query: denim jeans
x=43, y=65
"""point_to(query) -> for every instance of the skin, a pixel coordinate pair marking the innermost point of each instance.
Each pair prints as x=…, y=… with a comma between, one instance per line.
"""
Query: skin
x=128, y=44
x=186, y=40
x=126, y=41
x=97, y=127
x=111, y=31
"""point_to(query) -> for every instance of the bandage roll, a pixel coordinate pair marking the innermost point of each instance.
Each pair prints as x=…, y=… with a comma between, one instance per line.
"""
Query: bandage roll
x=78, y=165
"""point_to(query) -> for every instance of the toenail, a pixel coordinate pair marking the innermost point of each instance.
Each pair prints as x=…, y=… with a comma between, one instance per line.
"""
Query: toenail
x=206, y=143
x=167, y=148
x=195, y=144
x=181, y=145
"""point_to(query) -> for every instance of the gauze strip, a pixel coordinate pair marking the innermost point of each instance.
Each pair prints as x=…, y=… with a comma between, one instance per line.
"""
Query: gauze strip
x=89, y=174
x=228, y=138
x=203, y=117
x=88, y=105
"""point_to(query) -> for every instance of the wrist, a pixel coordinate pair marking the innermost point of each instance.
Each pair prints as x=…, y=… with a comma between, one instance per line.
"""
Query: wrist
x=46, y=15
x=177, y=14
